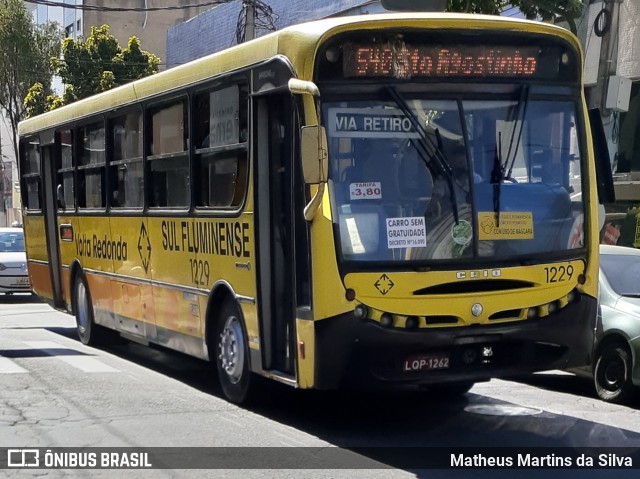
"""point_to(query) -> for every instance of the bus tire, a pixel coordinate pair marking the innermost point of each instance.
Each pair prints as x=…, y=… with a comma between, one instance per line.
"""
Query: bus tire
x=612, y=374
x=232, y=354
x=88, y=330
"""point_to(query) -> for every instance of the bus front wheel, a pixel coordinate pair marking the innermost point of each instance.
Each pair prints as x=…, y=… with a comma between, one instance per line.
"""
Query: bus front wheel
x=232, y=355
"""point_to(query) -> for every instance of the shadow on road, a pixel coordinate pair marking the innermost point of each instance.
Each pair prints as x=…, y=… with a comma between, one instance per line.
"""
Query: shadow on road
x=19, y=298
x=569, y=384
x=397, y=429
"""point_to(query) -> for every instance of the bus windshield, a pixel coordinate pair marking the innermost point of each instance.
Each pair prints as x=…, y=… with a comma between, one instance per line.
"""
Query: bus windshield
x=416, y=179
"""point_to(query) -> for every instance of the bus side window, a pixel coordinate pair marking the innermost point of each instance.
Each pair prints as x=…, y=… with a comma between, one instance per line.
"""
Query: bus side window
x=126, y=167
x=30, y=171
x=66, y=171
x=169, y=154
x=220, y=161
x=90, y=140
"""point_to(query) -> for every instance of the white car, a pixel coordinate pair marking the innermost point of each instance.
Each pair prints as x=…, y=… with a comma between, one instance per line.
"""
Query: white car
x=616, y=359
x=14, y=277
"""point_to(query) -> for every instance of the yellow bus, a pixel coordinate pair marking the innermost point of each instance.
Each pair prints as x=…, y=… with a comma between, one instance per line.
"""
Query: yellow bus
x=370, y=201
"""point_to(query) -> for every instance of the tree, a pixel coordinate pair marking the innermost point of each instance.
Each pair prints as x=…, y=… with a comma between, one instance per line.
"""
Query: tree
x=547, y=10
x=25, y=53
x=98, y=64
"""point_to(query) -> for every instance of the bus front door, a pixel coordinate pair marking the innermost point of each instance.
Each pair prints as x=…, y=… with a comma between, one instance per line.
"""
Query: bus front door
x=274, y=202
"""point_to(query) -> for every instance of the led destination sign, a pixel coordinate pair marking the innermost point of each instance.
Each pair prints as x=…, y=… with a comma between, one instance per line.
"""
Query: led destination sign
x=478, y=61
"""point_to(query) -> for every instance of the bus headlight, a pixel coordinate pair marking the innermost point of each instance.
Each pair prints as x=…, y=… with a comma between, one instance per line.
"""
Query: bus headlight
x=386, y=320
x=412, y=322
x=361, y=312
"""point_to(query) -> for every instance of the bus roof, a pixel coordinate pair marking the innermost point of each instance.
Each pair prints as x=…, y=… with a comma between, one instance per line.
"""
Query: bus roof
x=297, y=42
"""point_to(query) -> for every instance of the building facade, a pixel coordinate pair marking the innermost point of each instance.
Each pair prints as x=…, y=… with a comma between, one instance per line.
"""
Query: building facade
x=610, y=35
x=148, y=20
x=132, y=18
x=215, y=29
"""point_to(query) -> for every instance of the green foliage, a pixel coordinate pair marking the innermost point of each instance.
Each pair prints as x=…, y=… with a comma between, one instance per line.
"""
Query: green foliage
x=25, y=53
x=137, y=63
x=489, y=7
x=99, y=63
x=546, y=10
x=35, y=101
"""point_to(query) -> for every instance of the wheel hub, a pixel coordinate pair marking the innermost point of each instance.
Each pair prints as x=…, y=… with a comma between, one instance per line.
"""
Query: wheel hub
x=231, y=347
x=614, y=375
x=82, y=315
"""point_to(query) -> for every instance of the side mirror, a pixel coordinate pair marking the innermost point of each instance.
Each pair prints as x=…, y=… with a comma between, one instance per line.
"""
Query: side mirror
x=315, y=162
x=313, y=147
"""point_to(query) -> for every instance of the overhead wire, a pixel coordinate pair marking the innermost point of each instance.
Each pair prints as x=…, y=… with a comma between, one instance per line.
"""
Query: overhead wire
x=264, y=19
x=102, y=8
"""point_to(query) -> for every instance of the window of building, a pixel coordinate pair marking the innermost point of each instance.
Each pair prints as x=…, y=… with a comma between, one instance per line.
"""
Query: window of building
x=628, y=157
x=221, y=127
x=30, y=171
x=91, y=165
x=169, y=154
x=126, y=167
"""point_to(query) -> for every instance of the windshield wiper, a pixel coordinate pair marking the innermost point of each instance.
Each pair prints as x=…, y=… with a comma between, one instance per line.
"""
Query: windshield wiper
x=502, y=170
x=437, y=151
x=497, y=175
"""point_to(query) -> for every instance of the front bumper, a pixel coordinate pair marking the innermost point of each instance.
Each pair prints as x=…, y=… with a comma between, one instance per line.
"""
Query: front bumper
x=14, y=284
x=352, y=352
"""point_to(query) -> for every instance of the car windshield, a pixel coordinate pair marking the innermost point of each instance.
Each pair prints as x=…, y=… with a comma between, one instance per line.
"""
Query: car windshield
x=622, y=272
x=11, y=242
x=422, y=180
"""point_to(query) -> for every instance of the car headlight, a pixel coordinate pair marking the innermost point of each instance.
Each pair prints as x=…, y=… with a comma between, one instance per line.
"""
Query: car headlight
x=2, y=267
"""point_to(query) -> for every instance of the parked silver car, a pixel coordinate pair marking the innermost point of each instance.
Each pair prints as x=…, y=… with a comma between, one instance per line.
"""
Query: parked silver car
x=616, y=359
x=13, y=262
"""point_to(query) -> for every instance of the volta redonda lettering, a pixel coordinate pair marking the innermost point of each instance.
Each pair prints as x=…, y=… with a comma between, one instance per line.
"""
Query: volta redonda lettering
x=206, y=237
x=102, y=248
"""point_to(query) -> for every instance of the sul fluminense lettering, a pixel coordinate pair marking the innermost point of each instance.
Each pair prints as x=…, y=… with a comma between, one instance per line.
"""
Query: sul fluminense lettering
x=199, y=237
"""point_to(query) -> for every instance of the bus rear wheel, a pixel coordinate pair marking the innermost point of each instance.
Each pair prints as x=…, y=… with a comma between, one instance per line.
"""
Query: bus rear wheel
x=232, y=355
x=88, y=330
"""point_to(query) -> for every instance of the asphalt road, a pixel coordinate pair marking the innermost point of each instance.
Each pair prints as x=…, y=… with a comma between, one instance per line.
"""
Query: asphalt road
x=56, y=392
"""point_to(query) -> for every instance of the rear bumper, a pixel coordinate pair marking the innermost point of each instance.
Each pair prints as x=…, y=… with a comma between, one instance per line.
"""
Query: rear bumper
x=351, y=352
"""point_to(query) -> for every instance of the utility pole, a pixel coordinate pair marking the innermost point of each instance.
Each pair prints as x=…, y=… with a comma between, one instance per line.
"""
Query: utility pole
x=250, y=27
x=606, y=24
x=2, y=179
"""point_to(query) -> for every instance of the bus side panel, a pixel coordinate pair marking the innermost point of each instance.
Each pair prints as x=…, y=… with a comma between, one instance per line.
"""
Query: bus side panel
x=36, y=248
x=92, y=235
x=68, y=227
x=176, y=310
x=188, y=257
x=131, y=290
